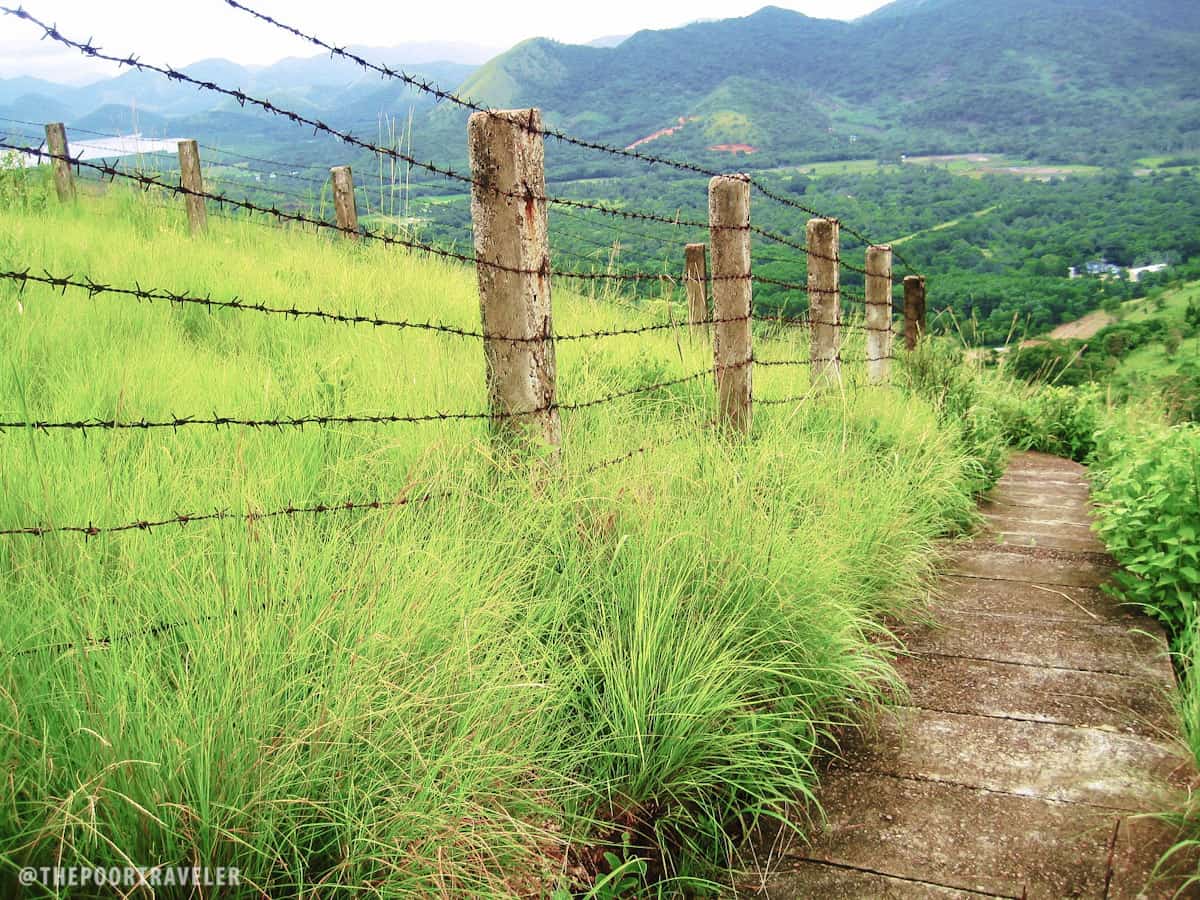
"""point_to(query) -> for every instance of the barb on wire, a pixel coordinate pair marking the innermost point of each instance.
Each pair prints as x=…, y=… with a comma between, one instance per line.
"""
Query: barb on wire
x=780, y=401
x=624, y=457
x=146, y=525
x=441, y=94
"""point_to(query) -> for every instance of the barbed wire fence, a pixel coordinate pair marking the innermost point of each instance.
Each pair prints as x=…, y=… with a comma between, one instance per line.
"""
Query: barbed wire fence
x=512, y=258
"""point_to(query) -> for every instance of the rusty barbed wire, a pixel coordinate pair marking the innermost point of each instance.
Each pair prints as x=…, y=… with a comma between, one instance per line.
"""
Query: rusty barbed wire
x=303, y=199
x=781, y=401
x=440, y=94
x=218, y=421
x=148, y=181
x=805, y=321
x=753, y=229
x=625, y=457
x=105, y=641
x=306, y=197
x=795, y=363
x=145, y=525
x=95, y=288
x=155, y=182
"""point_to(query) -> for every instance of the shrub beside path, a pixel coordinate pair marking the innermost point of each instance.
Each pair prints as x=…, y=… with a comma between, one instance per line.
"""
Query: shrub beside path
x=1038, y=726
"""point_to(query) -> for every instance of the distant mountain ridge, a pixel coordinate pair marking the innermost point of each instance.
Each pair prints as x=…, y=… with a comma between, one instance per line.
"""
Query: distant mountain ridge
x=1094, y=81
x=1067, y=80
x=312, y=84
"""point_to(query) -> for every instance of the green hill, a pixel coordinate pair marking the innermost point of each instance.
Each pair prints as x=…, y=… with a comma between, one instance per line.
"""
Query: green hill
x=1067, y=81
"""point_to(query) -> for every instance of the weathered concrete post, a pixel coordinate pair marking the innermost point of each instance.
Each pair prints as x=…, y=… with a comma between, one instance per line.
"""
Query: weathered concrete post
x=56, y=144
x=879, y=314
x=729, y=224
x=824, y=298
x=508, y=209
x=914, y=310
x=191, y=179
x=344, y=204
x=695, y=277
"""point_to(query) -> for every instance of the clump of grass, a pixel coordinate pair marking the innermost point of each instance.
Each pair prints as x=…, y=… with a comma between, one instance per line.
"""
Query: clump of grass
x=506, y=688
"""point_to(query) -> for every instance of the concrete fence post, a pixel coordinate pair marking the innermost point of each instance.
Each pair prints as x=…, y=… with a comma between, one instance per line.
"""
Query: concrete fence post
x=914, y=310
x=695, y=277
x=508, y=210
x=729, y=224
x=879, y=314
x=191, y=180
x=344, y=204
x=56, y=144
x=824, y=298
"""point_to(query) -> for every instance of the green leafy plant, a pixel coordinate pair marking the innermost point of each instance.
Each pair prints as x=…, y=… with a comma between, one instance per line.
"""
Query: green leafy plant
x=1149, y=516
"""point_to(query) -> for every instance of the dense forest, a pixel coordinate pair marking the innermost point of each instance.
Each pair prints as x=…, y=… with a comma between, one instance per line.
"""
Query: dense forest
x=997, y=249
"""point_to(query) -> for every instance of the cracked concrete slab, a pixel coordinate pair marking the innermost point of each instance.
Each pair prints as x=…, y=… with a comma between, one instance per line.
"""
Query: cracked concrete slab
x=1037, y=539
x=1029, y=759
x=1037, y=515
x=1084, y=646
x=960, y=838
x=1007, y=566
x=1121, y=703
x=1016, y=530
x=1046, y=602
x=1051, y=496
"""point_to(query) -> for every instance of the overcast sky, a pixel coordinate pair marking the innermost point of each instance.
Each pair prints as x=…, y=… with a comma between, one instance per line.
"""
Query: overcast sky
x=180, y=33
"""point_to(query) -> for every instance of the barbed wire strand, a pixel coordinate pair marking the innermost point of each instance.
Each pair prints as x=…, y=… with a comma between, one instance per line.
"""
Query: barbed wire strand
x=148, y=181
x=91, y=530
x=95, y=288
x=219, y=421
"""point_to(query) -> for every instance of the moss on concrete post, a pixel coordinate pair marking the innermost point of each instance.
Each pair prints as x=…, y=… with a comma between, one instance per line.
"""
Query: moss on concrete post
x=56, y=144
x=193, y=182
x=879, y=314
x=729, y=223
x=695, y=277
x=824, y=299
x=345, y=206
x=508, y=209
x=914, y=310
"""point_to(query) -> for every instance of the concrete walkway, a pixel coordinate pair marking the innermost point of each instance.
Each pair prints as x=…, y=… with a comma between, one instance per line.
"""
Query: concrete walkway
x=1037, y=723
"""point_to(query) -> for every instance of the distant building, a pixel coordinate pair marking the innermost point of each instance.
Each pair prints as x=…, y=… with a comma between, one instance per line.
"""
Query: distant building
x=1102, y=268
x=1136, y=274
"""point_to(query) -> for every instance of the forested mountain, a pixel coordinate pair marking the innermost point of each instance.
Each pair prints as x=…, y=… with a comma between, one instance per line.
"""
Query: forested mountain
x=1097, y=81
x=1056, y=80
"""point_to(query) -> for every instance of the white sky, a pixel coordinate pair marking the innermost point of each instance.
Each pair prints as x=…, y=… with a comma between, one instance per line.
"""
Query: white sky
x=181, y=33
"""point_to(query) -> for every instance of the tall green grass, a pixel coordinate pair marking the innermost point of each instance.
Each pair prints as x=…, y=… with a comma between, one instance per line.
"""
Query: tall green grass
x=478, y=694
